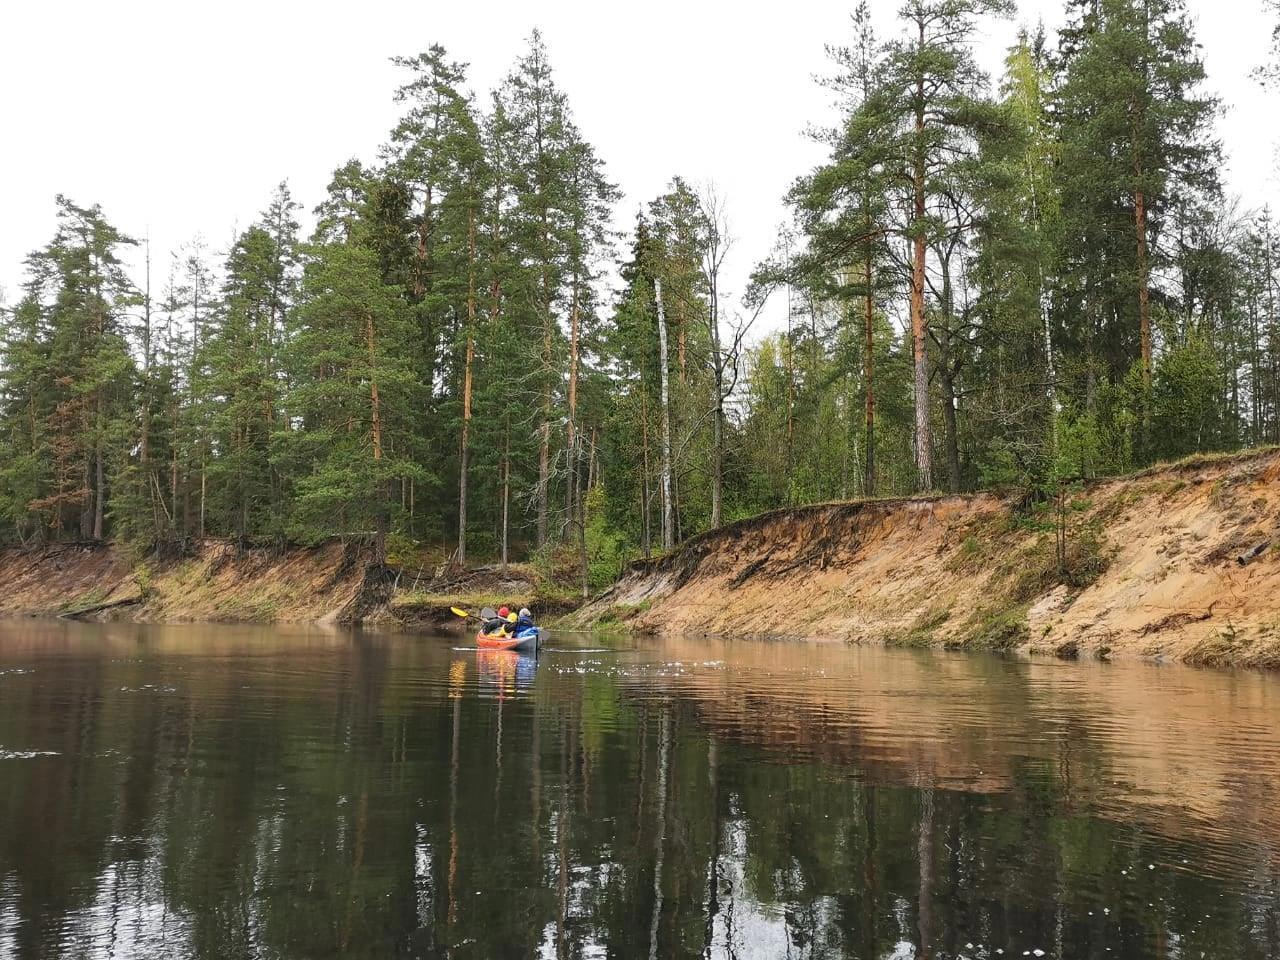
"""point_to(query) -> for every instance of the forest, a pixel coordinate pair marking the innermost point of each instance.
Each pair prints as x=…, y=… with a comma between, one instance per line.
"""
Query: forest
x=1005, y=283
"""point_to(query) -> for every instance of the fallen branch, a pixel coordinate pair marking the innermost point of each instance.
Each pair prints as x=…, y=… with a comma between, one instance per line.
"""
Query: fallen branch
x=1179, y=619
x=98, y=608
x=750, y=570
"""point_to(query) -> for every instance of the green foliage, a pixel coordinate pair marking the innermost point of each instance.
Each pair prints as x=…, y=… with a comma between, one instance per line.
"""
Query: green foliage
x=997, y=628
x=608, y=550
x=464, y=275
x=354, y=385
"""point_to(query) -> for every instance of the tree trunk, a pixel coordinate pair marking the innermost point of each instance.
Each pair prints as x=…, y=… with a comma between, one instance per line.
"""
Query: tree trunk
x=818, y=490
x=924, y=466
x=1273, y=336
x=577, y=506
x=173, y=485
x=1255, y=344
x=506, y=491
x=144, y=445
x=668, y=534
x=664, y=741
x=868, y=372
x=949, y=368
x=1144, y=309
x=791, y=403
x=947, y=376
x=100, y=484
x=680, y=341
x=465, y=449
x=645, y=498
x=204, y=489
x=717, y=423
x=375, y=416
x=924, y=851
x=593, y=464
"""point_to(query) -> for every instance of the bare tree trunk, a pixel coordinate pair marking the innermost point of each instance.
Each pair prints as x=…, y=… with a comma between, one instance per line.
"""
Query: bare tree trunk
x=668, y=538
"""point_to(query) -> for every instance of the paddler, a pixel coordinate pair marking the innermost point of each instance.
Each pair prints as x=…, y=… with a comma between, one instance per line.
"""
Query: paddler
x=524, y=621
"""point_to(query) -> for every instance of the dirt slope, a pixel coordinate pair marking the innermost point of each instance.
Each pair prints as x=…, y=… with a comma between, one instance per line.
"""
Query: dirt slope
x=1150, y=567
x=216, y=581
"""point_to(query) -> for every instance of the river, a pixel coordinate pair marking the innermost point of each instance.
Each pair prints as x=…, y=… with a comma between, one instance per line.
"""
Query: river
x=226, y=791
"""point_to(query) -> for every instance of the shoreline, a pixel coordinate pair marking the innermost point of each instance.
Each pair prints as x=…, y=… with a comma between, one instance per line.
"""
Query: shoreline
x=1179, y=563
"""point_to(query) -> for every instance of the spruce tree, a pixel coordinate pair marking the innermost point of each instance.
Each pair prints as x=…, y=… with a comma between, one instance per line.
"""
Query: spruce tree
x=355, y=396
x=1135, y=140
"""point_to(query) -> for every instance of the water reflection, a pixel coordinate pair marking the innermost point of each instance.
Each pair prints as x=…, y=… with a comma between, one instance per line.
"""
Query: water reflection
x=218, y=791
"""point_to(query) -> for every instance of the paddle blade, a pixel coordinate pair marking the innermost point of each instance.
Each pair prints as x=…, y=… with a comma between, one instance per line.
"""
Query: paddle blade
x=488, y=613
x=458, y=611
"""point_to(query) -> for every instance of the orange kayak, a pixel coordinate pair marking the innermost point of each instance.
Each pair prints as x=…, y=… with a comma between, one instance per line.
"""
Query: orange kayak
x=524, y=640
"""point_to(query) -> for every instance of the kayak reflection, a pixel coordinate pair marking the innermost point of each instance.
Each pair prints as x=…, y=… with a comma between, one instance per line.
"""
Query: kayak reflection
x=507, y=670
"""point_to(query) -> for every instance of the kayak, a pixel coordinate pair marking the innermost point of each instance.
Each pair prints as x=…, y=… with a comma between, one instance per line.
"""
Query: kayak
x=526, y=639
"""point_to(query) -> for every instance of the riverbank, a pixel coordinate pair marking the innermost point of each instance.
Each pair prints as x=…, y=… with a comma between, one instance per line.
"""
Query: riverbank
x=211, y=580
x=1180, y=562
x=222, y=581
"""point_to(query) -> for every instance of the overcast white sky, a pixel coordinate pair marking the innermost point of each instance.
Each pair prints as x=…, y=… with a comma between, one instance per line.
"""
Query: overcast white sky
x=179, y=117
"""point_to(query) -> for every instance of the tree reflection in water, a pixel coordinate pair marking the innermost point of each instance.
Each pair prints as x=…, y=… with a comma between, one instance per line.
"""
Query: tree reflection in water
x=222, y=792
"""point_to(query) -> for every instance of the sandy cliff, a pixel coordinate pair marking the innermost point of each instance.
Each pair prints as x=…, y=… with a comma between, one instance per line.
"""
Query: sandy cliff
x=1180, y=562
x=215, y=580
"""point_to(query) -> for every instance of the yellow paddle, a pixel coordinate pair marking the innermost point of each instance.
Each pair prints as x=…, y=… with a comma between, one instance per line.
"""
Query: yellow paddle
x=485, y=614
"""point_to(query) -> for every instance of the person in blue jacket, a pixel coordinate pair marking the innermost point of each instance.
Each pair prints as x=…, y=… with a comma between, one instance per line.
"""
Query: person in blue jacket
x=523, y=621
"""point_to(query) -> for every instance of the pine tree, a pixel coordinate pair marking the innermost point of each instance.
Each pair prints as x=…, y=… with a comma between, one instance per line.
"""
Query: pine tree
x=843, y=206
x=934, y=83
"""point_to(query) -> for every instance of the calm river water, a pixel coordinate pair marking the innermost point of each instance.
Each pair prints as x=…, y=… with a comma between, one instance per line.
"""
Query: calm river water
x=227, y=792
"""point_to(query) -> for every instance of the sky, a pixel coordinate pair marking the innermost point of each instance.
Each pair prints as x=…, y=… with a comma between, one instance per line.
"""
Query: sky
x=179, y=118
